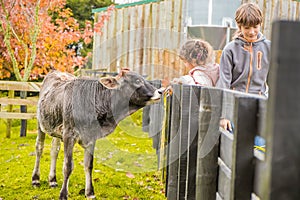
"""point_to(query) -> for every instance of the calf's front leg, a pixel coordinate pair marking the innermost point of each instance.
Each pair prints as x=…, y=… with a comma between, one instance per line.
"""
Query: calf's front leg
x=39, y=146
x=88, y=168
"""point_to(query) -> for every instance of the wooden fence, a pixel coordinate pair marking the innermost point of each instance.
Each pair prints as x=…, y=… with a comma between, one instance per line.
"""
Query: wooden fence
x=144, y=37
x=10, y=100
x=201, y=161
x=274, y=10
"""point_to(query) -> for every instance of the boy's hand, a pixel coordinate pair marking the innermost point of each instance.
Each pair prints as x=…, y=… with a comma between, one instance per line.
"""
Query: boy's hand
x=226, y=125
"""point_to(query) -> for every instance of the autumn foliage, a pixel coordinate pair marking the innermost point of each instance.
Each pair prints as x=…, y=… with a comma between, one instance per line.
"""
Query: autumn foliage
x=36, y=35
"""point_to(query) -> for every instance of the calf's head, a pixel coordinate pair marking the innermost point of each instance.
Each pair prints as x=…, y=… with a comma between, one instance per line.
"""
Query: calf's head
x=133, y=88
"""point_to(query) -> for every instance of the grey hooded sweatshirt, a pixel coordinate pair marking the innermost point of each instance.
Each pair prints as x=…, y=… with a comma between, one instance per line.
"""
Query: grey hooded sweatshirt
x=244, y=66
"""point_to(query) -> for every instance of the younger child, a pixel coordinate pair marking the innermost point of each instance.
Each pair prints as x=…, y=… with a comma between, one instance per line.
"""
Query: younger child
x=198, y=57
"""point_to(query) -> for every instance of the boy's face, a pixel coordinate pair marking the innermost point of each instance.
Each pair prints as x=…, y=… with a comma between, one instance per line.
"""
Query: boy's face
x=250, y=32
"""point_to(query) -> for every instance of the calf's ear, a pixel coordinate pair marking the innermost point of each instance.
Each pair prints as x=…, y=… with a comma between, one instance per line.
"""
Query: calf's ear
x=122, y=72
x=109, y=82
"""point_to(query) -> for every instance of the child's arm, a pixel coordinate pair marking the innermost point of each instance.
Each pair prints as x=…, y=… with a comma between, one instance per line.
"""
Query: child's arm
x=226, y=65
x=226, y=125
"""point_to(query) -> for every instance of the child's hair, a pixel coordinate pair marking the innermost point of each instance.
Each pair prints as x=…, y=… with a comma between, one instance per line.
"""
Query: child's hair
x=248, y=14
x=197, y=52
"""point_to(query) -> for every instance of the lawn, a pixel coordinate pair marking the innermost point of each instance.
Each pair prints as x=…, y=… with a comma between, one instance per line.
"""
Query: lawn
x=125, y=165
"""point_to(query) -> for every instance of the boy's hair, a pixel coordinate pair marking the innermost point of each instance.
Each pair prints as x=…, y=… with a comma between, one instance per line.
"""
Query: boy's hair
x=197, y=52
x=248, y=14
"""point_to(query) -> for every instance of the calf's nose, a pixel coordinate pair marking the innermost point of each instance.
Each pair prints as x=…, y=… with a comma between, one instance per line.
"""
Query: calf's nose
x=157, y=94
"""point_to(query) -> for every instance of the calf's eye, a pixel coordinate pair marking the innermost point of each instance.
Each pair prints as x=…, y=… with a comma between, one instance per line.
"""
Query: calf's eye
x=138, y=81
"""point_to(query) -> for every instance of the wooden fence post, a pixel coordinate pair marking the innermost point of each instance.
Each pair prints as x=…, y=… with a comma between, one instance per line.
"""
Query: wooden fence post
x=208, y=143
x=183, y=140
x=282, y=179
x=155, y=128
x=245, y=120
x=167, y=141
x=11, y=94
x=226, y=150
x=260, y=164
x=23, y=109
x=173, y=147
x=193, y=124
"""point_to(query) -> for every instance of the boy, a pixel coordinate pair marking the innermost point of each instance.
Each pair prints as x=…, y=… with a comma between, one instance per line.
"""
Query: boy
x=244, y=63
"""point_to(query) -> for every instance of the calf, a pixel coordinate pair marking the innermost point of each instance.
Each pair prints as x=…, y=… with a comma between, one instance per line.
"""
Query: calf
x=82, y=110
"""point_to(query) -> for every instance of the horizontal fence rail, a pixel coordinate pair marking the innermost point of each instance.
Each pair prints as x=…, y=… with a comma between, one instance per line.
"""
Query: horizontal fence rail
x=11, y=100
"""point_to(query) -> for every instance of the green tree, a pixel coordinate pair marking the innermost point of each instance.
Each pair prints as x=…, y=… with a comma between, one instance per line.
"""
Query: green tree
x=82, y=10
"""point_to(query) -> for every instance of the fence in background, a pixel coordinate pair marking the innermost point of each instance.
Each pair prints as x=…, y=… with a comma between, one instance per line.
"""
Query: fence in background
x=11, y=100
x=277, y=10
x=145, y=37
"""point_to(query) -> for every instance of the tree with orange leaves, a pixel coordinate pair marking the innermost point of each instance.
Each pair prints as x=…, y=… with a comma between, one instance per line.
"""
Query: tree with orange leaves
x=35, y=35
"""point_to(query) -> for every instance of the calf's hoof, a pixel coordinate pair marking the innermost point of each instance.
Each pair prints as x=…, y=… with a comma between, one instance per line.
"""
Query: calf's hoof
x=63, y=197
x=90, y=194
x=35, y=183
x=90, y=197
x=53, y=184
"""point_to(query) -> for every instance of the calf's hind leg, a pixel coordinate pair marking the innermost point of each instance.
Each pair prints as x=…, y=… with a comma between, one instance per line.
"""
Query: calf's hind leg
x=39, y=146
x=54, y=153
x=69, y=143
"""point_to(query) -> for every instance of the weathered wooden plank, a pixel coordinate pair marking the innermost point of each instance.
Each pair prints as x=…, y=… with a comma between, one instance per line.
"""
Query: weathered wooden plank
x=112, y=59
x=154, y=40
x=156, y=122
x=105, y=45
x=173, y=160
x=224, y=180
x=11, y=95
x=125, y=38
x=20, y=86
x=132, y=37
x=23, y=109
x=245, y=120
x=183, y=140
x=281, y=180
x=167, y=140
x=226, y=153
x=9, y=101
x=260, y=165
x=177, y=37
x=140, y=39
x=119, y=37
x=146, y=67
x=96, y=46
x=168, y=43
x=161, y=39
x=14, y=115
x=208, y=143
x=193, y=124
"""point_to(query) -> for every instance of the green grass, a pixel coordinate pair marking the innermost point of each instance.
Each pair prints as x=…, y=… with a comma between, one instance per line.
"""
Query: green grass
x=125, y=165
